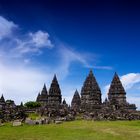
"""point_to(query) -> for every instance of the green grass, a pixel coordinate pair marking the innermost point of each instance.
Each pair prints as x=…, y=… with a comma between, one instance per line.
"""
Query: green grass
x=76, y=130
x=34, y=116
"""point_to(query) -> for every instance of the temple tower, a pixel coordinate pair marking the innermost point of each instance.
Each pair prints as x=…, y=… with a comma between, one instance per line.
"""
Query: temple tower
x=43, y=97
x=55, y=97
x=2, y=102
x=64, y=105
x=64, y=102
x=76, y=101
x=90, y=94
x=38, y=97
x=116, y=92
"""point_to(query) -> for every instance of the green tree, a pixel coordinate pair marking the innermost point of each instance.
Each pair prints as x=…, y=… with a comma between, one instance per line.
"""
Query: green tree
x=32, y=104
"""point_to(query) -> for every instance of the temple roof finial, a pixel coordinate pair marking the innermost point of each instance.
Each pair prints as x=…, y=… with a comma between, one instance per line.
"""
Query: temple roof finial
x=90, y=72
x=64, y=102
x=2, y=98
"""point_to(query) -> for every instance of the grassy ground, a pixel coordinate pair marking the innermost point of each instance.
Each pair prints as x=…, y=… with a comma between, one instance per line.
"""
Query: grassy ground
x=76, y=130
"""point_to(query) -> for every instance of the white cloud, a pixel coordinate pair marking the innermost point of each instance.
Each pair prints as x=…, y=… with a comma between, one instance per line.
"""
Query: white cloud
x=106, y=88
x=6, y=27
x=24, y=47
x=20, y=45
x=134, y=100
x=130, y=79
x=33, y=43
x=41, y=39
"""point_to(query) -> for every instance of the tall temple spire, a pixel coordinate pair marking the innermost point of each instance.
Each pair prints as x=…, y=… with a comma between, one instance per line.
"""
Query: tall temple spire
x=43, y=97
x=90, y=93
x=2, y=99
x=38, y=97
x=90, y=85
x=76, y=101
x=91, y=73
x=64, y=102
x=116, y=90
x=55, y=78
x=21, y=104
x=76, y=98
x=54, y=92
x=54, y=89
x=44, y=90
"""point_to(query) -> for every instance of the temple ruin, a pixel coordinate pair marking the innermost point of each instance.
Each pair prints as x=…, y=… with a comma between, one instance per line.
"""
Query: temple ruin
x=88, y=103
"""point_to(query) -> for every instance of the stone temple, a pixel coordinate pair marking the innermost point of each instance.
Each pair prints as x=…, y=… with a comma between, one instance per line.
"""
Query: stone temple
x=55, y=97
x=43, y=97
x=51, y=98
x=117, y=95
x=90, y=94
x=76, y=102
x=88, y=103
x=116, y=92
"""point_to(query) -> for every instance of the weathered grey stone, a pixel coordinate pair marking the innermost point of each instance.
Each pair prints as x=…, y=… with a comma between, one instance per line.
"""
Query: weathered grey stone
x=60, y=119
x=2, y=124
x=17, y=123
x=30, y=122
x=39, y=121
x=58, y=122
x=47, y=121
x=70, y=117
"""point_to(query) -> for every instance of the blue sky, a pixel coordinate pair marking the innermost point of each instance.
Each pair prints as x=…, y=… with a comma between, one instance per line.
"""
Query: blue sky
x=40, y=38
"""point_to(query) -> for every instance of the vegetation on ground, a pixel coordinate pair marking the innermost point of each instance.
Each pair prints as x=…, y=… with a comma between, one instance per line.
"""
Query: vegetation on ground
x=34, y=116
x=75, y=130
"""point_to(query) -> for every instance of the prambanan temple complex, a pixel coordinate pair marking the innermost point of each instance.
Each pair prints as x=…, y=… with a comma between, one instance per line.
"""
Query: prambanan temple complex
x=86, y=105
